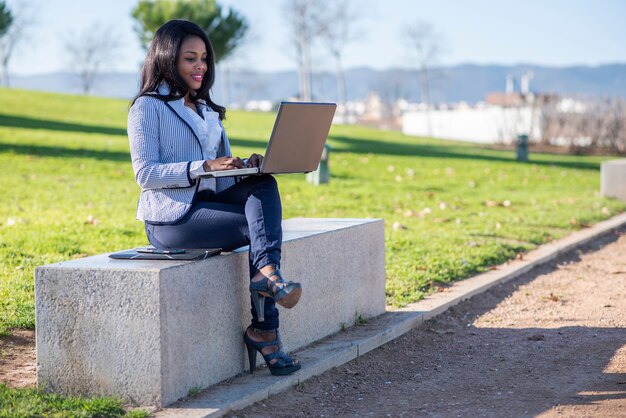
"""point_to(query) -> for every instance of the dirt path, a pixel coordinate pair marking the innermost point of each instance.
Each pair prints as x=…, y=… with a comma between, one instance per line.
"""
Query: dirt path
x=552, y=343
x=18, y=366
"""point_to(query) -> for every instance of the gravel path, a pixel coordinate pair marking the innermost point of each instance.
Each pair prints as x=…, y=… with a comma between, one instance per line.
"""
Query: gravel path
x=551, y=343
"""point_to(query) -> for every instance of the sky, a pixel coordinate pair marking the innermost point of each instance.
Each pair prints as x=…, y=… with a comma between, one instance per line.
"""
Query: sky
x=506, y=32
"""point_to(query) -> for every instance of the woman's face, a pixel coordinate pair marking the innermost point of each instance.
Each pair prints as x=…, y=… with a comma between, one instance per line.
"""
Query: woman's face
x=191, y=63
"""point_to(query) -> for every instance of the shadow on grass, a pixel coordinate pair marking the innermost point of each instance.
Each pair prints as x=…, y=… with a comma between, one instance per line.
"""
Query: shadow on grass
x=354, y=145
x=366, y=146
x=11, y=121
x=63, y=152
x=235, y=141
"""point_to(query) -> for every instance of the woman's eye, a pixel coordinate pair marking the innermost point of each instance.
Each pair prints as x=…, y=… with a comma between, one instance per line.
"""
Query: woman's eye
x=189, y=59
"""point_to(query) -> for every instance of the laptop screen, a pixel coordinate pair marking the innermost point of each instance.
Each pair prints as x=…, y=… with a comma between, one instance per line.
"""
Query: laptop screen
x=298, y=137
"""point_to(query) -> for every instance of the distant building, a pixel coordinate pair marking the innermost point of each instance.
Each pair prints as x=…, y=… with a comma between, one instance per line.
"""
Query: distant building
x=488, y=124
x=505, y=99
x=545, y=118
x=500, y=119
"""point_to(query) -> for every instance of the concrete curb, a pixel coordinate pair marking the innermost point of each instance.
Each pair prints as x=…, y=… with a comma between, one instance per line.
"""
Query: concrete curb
x=244, y=390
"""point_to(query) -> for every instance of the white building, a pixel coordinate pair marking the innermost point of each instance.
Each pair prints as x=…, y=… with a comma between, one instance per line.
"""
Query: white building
x=487, y=124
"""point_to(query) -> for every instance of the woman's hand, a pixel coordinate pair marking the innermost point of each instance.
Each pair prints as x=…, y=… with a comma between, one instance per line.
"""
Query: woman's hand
x=222, y=163
x=255, y=160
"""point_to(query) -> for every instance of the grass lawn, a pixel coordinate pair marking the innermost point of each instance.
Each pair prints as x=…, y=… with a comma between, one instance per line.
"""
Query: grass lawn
x=35, y=403
x=450, y=209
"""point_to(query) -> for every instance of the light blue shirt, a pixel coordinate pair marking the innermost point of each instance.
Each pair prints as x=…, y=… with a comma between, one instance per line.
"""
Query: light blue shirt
x=210, y=138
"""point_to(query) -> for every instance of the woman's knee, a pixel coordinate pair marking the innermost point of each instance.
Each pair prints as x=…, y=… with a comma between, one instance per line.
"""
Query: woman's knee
x=263, y=182
x=267, y=180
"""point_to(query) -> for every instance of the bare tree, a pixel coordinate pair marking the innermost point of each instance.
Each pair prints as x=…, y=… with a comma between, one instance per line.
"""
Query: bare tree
x=392, y=85
x=306, y=20
x=585, y=125
x=608, y=125
x=22, y=17
x=425, y=43
x=337, y=31
x=235, y=63
x=89, y=50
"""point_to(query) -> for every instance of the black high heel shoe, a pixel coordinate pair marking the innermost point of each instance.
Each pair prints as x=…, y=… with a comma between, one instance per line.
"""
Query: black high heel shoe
x=286, y=294
x=283, y=365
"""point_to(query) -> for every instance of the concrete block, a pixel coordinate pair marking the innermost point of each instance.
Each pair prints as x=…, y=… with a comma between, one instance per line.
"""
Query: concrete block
x=613, y=179
x=148, y=331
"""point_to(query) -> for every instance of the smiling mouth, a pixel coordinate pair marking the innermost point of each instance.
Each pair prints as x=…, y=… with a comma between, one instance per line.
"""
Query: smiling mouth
x=197, y=77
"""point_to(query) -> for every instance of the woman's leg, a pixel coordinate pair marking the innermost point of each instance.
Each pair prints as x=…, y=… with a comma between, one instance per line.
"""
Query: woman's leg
x=210, y=224
x=263, y=212
x=206, y=225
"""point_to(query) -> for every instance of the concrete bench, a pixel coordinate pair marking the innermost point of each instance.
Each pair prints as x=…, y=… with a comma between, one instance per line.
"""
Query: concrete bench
x=149, y=331
x=613, y=179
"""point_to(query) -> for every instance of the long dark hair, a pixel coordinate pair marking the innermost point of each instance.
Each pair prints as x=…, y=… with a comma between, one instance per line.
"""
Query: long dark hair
x=160, y=65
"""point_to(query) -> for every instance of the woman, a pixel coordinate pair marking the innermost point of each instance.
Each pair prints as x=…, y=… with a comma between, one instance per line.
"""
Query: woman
x=176, y=133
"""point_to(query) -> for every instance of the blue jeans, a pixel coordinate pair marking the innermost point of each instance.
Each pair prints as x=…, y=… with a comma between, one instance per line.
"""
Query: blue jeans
x=249, y=212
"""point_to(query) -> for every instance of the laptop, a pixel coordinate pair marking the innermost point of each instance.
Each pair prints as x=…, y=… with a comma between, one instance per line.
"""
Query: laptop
x=296, y=143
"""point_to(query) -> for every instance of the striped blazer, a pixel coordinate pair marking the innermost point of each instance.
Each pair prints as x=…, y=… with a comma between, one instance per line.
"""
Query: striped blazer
x=164, y=141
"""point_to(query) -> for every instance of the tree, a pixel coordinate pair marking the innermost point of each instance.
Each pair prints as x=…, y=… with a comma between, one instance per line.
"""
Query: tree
x=425, y=43
x=6, y=20
x=225, y=29
x=337, y=32
x=306, y=19
x=22, y=16
x=90, y=49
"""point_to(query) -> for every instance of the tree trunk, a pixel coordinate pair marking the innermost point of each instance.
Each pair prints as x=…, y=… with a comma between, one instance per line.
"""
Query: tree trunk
x=5, y=72
x=225, y=83
x=306, y=71
x=341, y=84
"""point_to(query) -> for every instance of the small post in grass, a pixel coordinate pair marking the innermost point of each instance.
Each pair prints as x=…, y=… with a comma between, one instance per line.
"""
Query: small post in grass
x=322, y=174
x=522, y=147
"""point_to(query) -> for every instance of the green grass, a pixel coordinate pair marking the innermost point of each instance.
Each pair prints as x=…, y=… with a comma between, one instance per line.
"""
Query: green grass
x=68, y=191
x=36, y=403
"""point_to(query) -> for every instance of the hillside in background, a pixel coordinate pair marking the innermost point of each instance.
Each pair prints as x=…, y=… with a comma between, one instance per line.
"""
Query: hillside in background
x=467, y=83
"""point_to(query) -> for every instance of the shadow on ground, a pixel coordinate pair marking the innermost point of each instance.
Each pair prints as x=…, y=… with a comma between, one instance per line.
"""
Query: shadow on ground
x=516, y=371
x=450, y=366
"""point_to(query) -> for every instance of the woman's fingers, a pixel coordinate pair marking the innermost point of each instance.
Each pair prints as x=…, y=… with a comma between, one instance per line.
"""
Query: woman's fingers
x=237, y=163
x=229, y=163
x=224, y=163
x=255, y=160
